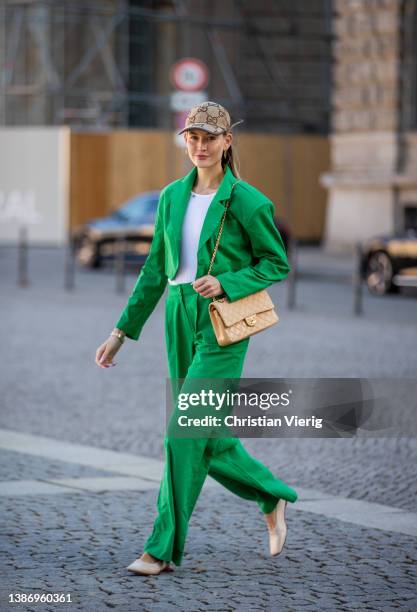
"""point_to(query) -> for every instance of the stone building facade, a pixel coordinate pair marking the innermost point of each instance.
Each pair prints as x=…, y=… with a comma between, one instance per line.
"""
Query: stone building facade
x=345, y=69
x=372, y=184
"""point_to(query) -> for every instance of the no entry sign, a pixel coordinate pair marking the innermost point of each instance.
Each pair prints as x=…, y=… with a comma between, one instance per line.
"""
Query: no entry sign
x=189, y=74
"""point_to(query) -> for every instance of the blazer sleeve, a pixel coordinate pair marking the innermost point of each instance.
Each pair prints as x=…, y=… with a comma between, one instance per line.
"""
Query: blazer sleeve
x=270, y=258
x=150, y=283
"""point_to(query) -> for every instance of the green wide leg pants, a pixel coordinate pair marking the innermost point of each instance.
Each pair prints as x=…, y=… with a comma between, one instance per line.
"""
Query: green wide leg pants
x=193, y=352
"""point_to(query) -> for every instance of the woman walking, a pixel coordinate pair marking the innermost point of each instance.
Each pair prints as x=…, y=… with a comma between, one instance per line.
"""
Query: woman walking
x=251, y=256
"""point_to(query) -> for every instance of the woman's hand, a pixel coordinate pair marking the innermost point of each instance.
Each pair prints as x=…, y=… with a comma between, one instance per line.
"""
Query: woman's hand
x=208, y=286
x=106, y=352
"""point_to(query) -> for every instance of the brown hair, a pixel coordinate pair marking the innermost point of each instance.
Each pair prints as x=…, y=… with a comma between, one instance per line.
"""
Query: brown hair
x=229, y=159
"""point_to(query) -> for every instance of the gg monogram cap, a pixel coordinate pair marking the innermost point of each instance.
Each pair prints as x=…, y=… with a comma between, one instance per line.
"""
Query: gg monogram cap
x=209, y=116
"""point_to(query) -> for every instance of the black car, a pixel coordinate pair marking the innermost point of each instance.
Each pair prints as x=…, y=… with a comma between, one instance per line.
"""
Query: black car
x=390, y=262
x=99, y=240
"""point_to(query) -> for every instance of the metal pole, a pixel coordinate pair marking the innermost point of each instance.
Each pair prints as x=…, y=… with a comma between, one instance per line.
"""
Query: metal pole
x=292, y=277
x=22, y=267
x=357, y=282
x=69, y=267
x=120, y=264
x=3, y=64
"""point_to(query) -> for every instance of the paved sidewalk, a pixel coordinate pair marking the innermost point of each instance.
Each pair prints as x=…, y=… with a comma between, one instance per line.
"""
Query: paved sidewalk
x=81, y=543
x=340, y=554
x=120, y=471
x=75, y=517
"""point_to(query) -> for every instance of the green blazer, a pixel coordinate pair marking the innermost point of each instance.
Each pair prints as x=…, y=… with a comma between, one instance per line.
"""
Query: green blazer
x=251, y=254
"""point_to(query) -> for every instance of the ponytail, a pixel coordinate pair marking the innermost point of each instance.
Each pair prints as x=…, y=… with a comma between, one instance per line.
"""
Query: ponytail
x=229, y=159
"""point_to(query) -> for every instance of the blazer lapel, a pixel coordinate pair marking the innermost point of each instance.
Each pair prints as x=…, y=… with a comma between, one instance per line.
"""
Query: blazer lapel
x=178, y=207
x=213, y=216
x=216, y=209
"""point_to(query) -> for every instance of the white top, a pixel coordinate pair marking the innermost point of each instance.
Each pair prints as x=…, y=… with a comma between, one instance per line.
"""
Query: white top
x=191, y=229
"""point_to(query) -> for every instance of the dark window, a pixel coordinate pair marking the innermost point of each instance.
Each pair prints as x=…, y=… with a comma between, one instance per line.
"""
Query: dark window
x=410, y=217
x=142, y=68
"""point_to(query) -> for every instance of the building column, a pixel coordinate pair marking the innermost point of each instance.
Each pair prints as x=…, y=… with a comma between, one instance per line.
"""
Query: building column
x=366, y=185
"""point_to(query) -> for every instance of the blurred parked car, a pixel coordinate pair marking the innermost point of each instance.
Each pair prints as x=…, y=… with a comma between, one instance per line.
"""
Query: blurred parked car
x=98, y=240
x=390, y=262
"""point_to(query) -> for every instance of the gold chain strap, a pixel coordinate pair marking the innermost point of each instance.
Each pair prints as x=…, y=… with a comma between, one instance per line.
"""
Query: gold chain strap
x=220, y=233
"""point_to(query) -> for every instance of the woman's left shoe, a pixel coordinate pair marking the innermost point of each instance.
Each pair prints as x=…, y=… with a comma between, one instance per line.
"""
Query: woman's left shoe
x=278, y=534
x=148, y=569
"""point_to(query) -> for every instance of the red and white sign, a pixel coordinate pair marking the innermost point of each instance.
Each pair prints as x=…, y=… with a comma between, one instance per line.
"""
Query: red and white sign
x=189, y=74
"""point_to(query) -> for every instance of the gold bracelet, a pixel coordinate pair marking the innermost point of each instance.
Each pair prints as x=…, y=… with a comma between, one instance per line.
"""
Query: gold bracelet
x=119, y=334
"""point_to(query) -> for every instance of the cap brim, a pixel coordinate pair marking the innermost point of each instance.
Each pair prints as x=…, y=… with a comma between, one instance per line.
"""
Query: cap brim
x=236, y=123
x=208, y=128
x=202, y=126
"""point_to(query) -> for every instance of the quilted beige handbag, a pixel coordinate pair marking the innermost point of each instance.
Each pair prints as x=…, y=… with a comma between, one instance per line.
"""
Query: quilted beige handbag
x=234, y=321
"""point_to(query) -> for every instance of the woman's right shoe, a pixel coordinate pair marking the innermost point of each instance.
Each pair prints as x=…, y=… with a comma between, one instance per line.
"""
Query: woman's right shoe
x=146, y=568
x=278, y=535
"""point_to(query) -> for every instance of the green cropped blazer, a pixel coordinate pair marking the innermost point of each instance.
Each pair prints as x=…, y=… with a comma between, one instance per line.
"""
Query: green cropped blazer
x=251, y=254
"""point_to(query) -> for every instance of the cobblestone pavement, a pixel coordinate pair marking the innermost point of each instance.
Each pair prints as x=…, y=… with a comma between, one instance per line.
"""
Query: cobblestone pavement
x=54, y=389
x=81, y=544
x=22, y=466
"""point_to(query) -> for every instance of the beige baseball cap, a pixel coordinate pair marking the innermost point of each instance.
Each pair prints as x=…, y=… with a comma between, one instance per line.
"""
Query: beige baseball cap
x=209, y=116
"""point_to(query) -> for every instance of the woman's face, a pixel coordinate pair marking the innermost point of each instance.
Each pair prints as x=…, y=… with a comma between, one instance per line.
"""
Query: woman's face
x=206, y=149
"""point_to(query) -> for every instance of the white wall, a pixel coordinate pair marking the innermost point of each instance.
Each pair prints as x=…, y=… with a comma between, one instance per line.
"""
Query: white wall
x=357, y=214
x=34, y=184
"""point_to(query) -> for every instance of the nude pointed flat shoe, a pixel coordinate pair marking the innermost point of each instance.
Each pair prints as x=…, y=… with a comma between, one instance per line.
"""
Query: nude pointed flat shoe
x=278, y=535
x=148, y=569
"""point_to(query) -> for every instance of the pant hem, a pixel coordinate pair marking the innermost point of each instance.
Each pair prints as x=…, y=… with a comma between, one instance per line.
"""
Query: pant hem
x=174, y=558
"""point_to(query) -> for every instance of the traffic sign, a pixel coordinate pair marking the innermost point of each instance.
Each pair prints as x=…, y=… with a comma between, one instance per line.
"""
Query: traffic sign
x=189, y=74
x=184, y=100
